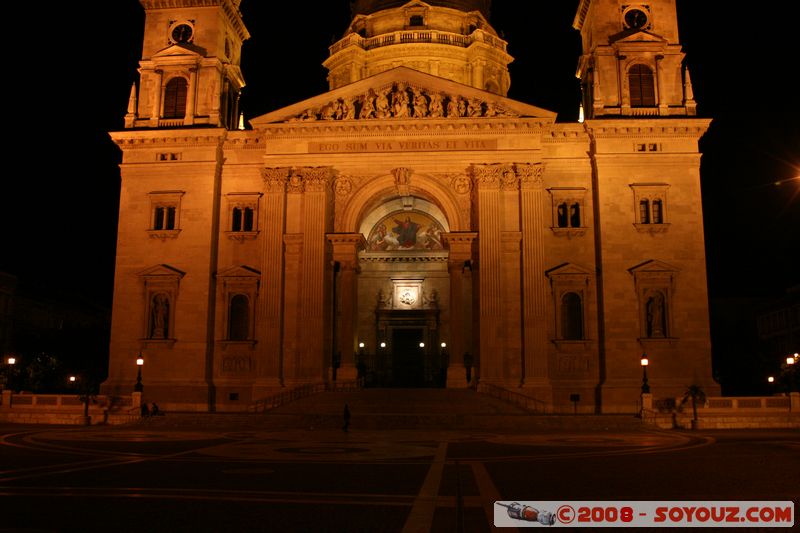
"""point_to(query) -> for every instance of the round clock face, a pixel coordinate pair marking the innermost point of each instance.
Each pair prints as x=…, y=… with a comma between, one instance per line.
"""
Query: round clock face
x=635, y=18
x=182, y=33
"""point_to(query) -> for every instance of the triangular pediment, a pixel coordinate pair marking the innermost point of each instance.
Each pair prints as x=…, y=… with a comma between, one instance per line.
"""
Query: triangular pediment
x=240, y=271
x=179, y=50
x=568, y=269
x=636, y=36
x=162, y=271
x=402, y=94
x=653, y=266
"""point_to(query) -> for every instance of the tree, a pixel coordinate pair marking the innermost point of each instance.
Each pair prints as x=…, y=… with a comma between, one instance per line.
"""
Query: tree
x=696, y=394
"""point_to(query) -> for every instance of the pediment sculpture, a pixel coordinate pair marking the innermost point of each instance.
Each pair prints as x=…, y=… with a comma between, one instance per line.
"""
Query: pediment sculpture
x=401, y=100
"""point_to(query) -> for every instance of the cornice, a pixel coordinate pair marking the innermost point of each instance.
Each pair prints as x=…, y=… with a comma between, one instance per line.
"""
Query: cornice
x=674, y=128
x=373, y=257
x=411, y=127
x=156, y=138
x=231, y=8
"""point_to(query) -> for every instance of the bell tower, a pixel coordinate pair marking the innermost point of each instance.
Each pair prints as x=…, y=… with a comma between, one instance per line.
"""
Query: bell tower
x=632, y=62
x=190, y=68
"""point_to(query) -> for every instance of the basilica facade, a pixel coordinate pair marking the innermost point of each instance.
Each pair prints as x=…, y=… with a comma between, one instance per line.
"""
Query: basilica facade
x=412, y=226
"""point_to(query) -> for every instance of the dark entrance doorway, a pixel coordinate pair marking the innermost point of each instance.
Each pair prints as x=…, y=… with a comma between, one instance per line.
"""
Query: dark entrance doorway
x=408, y=357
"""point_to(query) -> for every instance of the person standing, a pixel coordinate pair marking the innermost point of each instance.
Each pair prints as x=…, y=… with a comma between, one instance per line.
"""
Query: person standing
x=346, y=418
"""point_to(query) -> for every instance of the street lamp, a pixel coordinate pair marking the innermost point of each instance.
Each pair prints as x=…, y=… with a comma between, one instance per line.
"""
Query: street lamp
x=645, y=361
x=9, y=373
x=139, y=362
x=790, y=360
x=771, y=379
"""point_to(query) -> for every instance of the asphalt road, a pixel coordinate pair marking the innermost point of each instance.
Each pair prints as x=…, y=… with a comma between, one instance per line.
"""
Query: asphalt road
x=151, y=479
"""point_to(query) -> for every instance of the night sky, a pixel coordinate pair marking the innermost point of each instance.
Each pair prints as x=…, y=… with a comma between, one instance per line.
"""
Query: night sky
x=69, y=77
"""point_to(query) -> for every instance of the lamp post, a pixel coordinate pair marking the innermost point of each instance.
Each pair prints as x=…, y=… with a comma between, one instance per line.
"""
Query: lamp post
x=139, y=362
x=645, y=361
x=8, y=381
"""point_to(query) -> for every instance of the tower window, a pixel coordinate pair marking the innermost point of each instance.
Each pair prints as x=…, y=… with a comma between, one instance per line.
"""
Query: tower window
x=164, y=217
x=642, y=86
x=644, y=211
x=416, y=20
x=165, y=213
x=175, y=98
x=650, y=204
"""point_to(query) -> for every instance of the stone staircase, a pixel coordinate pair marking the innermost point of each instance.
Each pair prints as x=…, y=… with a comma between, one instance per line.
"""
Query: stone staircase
x=388, y=409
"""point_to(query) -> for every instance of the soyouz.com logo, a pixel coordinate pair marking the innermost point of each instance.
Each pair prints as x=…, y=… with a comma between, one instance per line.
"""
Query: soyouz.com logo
x=747, y=514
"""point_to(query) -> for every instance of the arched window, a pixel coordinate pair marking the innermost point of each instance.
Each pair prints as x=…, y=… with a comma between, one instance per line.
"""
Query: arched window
x=239, y=318
x=642, y=86
x=571, y=317
x=644, y=211
x=575, y=215
x=175, y=98
x=563, y=219
x=658, y=212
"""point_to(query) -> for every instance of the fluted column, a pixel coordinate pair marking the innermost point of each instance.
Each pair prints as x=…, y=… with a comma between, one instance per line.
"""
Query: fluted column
x=487, y=189
x=312, y=287
x=534, y=282
x=270, y=300
x=345, y=252
x=460, y=247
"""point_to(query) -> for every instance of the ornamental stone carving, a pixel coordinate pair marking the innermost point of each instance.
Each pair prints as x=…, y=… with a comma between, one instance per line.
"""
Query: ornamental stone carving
x=489, y=176
x=510, y=180
x=404, y=101
x=461, y=184
x=275, y=179
x=402, y=180
x=343, y=186
x=530, y=174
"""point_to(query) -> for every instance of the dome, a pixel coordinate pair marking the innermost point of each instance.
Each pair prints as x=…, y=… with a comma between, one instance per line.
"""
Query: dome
x=366, y=7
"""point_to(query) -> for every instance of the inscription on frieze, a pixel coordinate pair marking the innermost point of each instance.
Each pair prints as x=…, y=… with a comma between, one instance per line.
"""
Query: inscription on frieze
x=412, y=145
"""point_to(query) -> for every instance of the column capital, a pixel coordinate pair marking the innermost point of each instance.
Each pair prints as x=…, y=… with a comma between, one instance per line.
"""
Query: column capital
x=489, y=176
x=275, y=178
x=530, y=175
x=460, y=245
x=346, y=246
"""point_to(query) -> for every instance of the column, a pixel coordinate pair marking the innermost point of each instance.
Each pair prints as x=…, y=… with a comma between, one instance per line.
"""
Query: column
x=460, y=247
x=663, y=107
x=155, y=112
x=534, y=282
x=487, y=188
x=270, y=300
x=191, y=98
x=313, y=294
x=345, y=252
x=624, y=96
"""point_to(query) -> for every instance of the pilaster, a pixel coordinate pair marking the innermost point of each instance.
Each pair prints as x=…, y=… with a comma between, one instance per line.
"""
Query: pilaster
x=489, y=201
x=345, y=253
x=269, y=313
x=534, y=282
x=460, y=246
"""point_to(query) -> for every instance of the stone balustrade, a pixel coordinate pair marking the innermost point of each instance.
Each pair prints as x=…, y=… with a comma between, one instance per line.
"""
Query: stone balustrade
x=418, y=36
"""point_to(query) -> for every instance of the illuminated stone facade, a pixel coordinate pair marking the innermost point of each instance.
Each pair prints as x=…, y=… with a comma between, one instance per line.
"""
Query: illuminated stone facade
x=406, y=209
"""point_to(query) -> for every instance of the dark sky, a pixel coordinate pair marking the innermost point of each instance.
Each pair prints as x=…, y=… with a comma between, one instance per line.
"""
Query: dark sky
x=70, y=75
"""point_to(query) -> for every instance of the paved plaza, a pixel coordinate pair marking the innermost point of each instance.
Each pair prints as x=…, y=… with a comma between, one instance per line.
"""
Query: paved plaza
x=256, y=473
